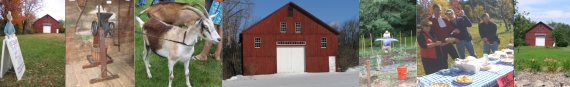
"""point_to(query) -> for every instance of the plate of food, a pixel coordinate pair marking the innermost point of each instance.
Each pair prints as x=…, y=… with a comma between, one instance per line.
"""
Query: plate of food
x=439, y=85
x=507, y=60
x=493, y=56
x=486, y=66
x=508, y=51
x=464, y=79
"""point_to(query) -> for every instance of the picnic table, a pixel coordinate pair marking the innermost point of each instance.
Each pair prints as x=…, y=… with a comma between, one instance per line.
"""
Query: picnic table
x=481, y=78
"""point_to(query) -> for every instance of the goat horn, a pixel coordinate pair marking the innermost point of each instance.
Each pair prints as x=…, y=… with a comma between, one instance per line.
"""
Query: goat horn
x=200, y=13
x=203, y=8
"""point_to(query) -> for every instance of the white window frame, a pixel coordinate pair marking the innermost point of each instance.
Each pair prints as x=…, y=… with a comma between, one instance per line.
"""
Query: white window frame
x=291, y=42
x=283, y=27
x=297, y=27
x=323, y=42
x=257, y=42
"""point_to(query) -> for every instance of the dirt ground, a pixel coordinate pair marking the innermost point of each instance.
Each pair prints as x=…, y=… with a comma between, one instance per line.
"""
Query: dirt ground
x=388, y=73
x=556, y=78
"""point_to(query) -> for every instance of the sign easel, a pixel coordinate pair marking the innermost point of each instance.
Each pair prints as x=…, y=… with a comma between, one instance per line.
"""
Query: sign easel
x=12, y=57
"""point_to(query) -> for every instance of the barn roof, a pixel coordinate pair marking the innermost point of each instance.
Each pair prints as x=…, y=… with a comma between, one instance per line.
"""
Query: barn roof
x=46, y=16
x=304, y=12
x=540, y=22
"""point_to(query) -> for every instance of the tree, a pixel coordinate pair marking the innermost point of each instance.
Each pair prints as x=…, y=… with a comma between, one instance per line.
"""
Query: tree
x=348, y=41
x=378, y=16
x=61, y=26
x=30, y=8
x=478, y=12
x=505, y=11
x=521, y=25
x=14, y=6
x=560, y=34
x=468, y=11
x=237, y=16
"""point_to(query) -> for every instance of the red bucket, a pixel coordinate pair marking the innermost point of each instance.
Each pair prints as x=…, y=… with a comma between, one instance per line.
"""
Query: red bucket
x=402, y=72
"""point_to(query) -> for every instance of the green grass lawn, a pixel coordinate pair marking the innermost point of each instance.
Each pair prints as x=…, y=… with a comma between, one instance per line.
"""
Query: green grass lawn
x=526, y=53
x=44, y=57
x=506, y=38
x=206, y=73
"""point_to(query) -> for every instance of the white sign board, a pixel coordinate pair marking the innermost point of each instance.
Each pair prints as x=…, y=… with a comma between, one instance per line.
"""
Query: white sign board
x=15, y=55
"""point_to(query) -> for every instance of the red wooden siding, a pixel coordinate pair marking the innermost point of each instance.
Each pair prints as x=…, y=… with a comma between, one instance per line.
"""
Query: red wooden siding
x=39, y=24
x=268, y=29
x=530, y=35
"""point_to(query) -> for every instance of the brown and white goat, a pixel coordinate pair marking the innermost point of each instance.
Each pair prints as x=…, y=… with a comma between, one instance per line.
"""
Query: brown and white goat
x=175, y=13
x=158, y=34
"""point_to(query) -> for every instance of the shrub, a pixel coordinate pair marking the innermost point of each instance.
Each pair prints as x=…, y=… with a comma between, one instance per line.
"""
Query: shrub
x=534, y=66
x=520, y=64
x=562, y=43
x=521, y=42
x=551, y=64
x=566, y=65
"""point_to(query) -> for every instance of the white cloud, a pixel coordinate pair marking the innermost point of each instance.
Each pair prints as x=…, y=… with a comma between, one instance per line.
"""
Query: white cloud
x=55, y=8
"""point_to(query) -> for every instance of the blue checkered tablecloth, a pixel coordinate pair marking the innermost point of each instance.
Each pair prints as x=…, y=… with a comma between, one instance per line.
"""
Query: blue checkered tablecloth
x=481, y=78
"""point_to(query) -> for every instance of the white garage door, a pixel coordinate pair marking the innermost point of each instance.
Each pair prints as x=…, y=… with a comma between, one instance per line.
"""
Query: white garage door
x=290, y=59
x=539, y=41
x=47, y=29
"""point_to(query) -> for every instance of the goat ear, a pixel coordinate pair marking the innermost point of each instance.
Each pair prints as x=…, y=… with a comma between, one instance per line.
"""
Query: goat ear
x=198, y=24
x=213, y=16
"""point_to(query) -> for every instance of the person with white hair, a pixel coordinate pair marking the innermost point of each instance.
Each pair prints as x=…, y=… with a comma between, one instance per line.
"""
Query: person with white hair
x=9, y=28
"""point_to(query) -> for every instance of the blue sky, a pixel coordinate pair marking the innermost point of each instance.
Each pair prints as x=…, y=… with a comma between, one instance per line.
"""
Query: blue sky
x=546, y=10
x=326, y=10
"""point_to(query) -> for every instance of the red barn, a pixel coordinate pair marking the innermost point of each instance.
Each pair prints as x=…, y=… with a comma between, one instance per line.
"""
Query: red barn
x=46, y=24
x=537, y=35
x=289, y=40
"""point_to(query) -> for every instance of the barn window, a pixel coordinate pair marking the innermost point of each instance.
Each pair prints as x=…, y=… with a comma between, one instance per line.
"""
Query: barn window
x=257, y=42
x=290, y=11
x=297, y=27
x=283, y=27
x=324, y=42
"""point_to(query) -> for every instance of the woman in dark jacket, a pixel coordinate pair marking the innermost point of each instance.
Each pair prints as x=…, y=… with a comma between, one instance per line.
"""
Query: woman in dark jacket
x=432, y=56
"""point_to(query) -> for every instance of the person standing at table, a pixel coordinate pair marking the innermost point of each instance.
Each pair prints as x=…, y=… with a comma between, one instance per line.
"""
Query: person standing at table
x=488, y=32
x=9, y=28
x=430, y=49
x=463, y=39
x=443, y=29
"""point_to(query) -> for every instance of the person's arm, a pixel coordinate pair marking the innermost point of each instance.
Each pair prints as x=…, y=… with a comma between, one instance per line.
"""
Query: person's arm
x=422, y=41
x=482, y=32
x=467, y=21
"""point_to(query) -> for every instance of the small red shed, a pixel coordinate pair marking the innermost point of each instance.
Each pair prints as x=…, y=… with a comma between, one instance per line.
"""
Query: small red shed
x=537, y=35
x=46, y=24
x=289, y=40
